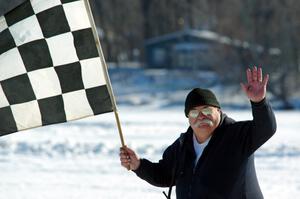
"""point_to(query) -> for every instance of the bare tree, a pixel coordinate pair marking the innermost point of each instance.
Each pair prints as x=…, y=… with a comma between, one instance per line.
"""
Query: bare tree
x=121, y=23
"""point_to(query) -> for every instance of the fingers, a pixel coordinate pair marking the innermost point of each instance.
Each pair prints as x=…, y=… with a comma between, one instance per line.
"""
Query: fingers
x=125, y=160
x=124, y=155
x=249, y=75
x=127, y=157
x=254, y=75
x=259, y=74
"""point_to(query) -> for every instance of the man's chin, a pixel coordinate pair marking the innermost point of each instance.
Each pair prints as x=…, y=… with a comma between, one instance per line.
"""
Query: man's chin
x=205, y=127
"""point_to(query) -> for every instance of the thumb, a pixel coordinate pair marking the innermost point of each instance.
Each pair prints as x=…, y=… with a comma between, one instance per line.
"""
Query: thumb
x=130, y=151
x=266, y=79
x=244, y=87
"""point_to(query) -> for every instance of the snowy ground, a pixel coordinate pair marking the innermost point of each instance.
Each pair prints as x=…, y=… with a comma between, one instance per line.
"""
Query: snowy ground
x=80, y=159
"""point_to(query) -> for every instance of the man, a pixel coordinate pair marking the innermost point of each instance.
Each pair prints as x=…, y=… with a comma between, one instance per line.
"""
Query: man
x=214, y=158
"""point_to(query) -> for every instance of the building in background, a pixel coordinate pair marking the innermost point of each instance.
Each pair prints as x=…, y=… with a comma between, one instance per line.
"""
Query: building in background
x=197, y=49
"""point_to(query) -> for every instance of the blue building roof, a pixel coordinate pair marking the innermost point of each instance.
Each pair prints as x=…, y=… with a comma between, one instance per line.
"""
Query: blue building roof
x=199, y=34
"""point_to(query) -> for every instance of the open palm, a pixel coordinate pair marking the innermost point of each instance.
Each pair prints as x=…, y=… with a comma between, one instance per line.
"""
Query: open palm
x=256, y=87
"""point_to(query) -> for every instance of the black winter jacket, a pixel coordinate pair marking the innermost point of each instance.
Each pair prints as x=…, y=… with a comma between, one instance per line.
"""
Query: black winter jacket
x=226, y=168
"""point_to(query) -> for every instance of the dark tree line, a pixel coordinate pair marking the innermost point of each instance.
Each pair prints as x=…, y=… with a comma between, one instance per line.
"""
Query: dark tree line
x=124, y=26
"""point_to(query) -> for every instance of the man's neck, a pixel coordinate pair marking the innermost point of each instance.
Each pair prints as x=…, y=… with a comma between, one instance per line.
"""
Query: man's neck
x=202, y=137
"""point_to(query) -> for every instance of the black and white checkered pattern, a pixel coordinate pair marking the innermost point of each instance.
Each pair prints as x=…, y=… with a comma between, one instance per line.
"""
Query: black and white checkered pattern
x=50, y=70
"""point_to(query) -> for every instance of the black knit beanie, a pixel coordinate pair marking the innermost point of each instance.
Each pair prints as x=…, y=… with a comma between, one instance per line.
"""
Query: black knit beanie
x=198, y=97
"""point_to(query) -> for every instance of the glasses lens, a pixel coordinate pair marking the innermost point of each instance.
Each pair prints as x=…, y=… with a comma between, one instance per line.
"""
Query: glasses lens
x=194, y=113
x=206, y=111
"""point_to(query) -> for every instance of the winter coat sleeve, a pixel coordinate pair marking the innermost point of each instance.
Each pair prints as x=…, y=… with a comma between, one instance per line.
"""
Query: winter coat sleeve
x=260, y=129
x=160, y=173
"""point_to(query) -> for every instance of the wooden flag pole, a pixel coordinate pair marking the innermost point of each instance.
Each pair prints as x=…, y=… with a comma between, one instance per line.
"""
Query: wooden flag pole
x=109, y=87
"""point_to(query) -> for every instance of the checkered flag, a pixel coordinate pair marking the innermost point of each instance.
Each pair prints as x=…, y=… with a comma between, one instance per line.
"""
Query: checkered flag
x=50, y=68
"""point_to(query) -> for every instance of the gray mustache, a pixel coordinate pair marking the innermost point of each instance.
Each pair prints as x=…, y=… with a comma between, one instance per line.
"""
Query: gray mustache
x=204, y=121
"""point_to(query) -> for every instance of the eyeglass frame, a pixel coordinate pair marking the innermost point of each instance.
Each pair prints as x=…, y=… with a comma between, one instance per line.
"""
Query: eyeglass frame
x=206, y=111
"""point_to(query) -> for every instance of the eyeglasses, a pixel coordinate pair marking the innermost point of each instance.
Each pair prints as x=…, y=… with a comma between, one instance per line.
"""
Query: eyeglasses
x=195, y=113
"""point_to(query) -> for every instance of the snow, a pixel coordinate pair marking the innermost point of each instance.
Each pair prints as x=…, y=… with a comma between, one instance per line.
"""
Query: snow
x=80, y=159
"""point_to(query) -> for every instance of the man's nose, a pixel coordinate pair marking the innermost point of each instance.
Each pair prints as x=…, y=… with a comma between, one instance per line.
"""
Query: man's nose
x=201, y=115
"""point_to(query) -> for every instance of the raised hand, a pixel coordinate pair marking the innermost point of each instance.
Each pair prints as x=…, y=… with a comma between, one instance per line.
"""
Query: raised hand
x=256, y=87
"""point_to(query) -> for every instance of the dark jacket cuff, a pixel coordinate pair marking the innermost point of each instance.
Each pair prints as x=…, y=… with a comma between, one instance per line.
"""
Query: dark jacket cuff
x=139, y=170
x=258, y=104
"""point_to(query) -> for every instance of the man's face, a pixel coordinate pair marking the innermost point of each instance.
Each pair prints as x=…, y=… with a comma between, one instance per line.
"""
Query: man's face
x=204, y=119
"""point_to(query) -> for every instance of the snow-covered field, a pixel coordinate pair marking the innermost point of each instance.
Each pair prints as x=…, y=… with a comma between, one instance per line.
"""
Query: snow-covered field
x=80, y=159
